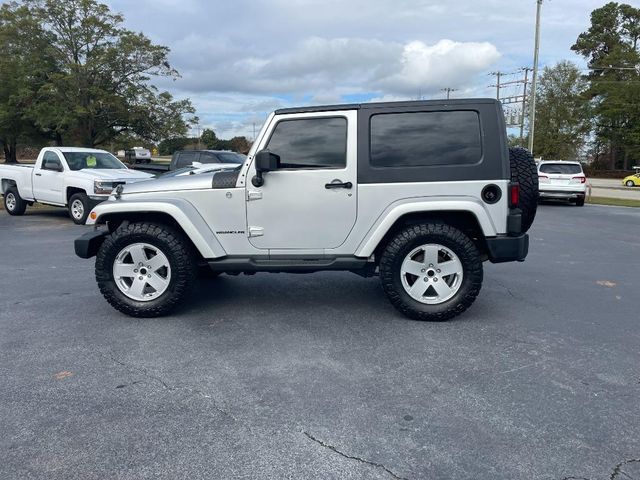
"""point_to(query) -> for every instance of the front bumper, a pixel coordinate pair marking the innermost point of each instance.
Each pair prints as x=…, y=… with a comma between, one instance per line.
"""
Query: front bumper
x=87, y=245
x=508, y=249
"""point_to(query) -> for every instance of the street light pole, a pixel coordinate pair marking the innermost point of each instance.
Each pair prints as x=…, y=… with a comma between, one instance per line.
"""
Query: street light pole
x=534, y=80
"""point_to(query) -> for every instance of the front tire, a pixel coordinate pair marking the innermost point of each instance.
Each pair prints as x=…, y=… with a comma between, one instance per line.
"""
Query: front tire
x=431, y=272
x=79, y=208
x=145, y=269
x=14, y=204
x=630, y=183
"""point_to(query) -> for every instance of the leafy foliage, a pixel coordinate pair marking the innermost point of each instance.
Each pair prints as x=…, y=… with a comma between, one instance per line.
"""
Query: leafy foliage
x=563, y=112
x=611, y=46
x=93, y=76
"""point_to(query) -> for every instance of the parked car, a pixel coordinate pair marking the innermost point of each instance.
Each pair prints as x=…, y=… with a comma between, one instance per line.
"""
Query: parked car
x=562, y=180
x=184, y=158
x=197, y=168
x=137, y=155
x=76, y=178
x=632, y=180
x=418, y=192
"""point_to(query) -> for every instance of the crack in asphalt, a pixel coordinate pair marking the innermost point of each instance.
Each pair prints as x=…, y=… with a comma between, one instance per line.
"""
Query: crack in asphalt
x=169, y=387
x=617, y=471
x=351, y=457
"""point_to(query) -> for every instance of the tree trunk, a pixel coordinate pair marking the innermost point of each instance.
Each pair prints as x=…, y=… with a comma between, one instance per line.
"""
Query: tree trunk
x=10, y=151
x=59, y=140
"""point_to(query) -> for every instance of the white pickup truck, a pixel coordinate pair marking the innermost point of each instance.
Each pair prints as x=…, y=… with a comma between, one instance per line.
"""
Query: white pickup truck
x=76, y=178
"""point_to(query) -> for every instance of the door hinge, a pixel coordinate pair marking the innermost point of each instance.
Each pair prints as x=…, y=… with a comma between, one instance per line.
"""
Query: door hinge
x=256, y=231
x=254, y=195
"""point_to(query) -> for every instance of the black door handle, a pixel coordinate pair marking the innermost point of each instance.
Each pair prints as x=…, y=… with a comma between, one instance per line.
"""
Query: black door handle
x=38, y=174
x=338, y=184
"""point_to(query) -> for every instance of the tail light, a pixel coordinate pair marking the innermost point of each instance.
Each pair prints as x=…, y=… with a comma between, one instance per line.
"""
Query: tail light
x=580, y=179
x=514, y=195
x=543, y=179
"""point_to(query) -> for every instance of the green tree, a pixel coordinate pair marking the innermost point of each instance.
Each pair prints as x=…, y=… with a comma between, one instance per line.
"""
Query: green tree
x=611, y=46
x=100, y=86
x=209, y=139
x=562, y=112
x=23, y=69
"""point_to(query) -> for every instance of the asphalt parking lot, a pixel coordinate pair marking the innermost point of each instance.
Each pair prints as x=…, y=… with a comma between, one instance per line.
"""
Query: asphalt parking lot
x=317, y=376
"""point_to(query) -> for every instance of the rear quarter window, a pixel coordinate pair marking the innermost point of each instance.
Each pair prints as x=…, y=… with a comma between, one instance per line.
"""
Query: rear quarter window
x=425, y=139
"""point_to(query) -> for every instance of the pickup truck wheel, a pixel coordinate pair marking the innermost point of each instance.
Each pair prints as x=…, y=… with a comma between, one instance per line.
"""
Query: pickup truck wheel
x=13, y=203
x=431, y=271
x=525, y=173
x=145, y=269
x=79, y=208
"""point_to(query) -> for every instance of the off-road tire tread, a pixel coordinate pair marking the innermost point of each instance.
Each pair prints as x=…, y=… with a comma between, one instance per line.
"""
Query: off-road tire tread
x=432, y=233
x=525, y=172
x=21, y=204
x=174, y=244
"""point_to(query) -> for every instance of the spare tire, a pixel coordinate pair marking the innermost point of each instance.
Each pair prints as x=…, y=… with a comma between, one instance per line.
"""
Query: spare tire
x=525, y=173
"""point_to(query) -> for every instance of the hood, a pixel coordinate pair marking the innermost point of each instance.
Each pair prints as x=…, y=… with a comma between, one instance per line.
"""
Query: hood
x=115, y=174
x=187, y=182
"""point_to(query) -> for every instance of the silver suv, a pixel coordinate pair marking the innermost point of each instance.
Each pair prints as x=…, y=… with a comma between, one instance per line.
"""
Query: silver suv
x=419, y=193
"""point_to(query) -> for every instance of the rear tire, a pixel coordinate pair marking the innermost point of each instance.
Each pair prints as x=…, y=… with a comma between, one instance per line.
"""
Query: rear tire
x=580, y=202
x=435, y=245
x=630, y=183
x=525, y=173
x=79, y=208
x=14, y=204
x=176, y=272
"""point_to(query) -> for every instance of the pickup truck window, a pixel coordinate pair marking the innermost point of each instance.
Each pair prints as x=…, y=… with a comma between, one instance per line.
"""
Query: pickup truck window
x=51, y=161
x=231, y=157
x=184, y=159
x=425, y=139
x=81, y=160
x=310, y=142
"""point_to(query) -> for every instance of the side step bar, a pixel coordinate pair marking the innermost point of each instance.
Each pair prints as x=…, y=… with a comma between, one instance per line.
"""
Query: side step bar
x=287, y=264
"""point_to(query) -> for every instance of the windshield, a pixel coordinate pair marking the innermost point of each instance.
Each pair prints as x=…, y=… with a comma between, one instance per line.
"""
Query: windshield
x=561, y=168
x=231, y=157
x=81, y=160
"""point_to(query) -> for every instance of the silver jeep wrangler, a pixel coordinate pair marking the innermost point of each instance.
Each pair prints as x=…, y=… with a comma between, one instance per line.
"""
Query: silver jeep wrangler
x=419, y=193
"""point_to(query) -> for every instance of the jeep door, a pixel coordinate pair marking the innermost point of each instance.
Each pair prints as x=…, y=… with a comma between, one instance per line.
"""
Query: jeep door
x=309, y=202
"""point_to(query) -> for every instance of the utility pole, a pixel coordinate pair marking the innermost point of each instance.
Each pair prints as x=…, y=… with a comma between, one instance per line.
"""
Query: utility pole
x=524, y=104
x=534, y=80
x=448, y=90
x=498, y=85
x=519, y=99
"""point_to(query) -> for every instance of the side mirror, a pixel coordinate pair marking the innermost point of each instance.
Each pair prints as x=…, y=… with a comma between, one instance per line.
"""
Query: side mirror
x=265, y=161
x=53, y=165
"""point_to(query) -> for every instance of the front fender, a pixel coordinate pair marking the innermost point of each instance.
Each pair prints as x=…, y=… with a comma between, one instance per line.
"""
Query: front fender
x=183, y=212
x=417, y=205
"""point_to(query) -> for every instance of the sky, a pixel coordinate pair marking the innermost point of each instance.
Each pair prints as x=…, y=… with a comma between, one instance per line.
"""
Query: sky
x=241, y=59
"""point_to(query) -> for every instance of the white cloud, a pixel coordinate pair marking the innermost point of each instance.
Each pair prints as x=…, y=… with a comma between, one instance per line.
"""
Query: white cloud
x=444, y=64
x=240, y=59
x=328, y=68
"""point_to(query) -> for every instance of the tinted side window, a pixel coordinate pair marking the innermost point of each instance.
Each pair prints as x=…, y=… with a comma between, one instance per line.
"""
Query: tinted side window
x=208, y=157
x=310, y=143
x=425, y=139
x=185, y=159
